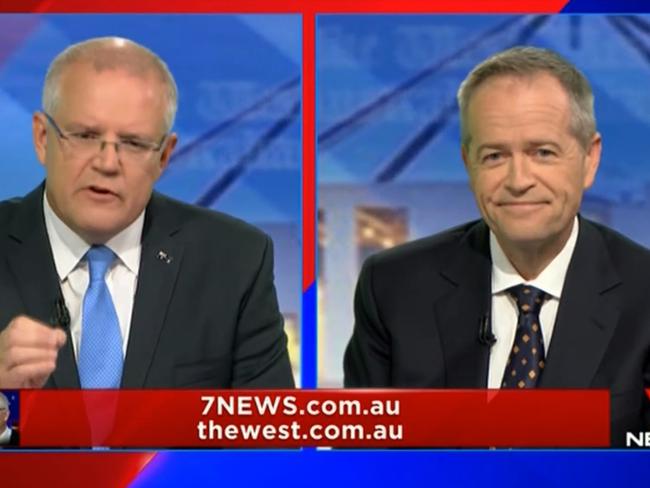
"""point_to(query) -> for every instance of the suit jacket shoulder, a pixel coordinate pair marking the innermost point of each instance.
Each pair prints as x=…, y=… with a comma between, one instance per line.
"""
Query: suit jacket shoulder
x=219, y=324
x=15, y=438
x=630, y=256
x=418, y=304
x=210, y=238
x=10, y=212
x=433, y=248
x=214, y=222
x=432, y=263
x=7, y=208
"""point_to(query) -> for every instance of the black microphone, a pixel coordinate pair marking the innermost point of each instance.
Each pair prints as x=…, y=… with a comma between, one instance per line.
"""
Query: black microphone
x=485, y=335
x=60, y=314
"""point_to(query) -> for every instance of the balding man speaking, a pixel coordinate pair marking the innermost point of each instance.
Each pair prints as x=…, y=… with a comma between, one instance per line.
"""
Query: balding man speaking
x=105, y=283
x=8, y=435
x=531, y=295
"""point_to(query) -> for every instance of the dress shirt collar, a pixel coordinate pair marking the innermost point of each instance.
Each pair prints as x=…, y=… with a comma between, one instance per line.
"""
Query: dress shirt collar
x=68, y=248
x=5, y=436
x=550, y=280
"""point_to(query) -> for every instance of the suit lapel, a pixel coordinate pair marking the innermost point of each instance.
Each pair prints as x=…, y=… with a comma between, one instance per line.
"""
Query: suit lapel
x=159, y=264
x=587, y=315
x=461, y=310
x=37, y=282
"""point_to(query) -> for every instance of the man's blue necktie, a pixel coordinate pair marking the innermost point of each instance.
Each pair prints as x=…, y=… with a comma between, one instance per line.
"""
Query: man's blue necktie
x=100, y=355
x=526, y=361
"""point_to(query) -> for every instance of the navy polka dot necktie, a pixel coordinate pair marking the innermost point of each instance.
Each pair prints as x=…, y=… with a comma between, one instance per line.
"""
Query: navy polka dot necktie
x=526, y=361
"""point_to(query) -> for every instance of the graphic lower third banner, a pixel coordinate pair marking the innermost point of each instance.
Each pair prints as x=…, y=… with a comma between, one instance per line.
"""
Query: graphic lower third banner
x=338, y=418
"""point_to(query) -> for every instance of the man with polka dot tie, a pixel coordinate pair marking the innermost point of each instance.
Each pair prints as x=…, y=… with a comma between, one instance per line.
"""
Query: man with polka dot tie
x=533, y=294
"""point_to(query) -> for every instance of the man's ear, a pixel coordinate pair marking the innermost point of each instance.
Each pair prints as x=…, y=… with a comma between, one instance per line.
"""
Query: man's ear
x=592, y=160
x=166, y=152
x=463, y=154
x=39, y=136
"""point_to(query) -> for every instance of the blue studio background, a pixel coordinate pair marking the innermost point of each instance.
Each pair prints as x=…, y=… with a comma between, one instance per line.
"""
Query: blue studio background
x=389, y=163
x=238, y=122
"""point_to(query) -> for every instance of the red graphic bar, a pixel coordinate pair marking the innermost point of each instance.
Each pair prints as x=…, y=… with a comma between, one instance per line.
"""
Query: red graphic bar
x=105, y=470
x=308, y=151
x=345, y=418
x=285, y=6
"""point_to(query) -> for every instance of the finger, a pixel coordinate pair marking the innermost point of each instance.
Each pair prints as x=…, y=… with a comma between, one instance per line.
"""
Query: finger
x=60, y=337
x=32, y=375
x=18, y=355
x=30, y=333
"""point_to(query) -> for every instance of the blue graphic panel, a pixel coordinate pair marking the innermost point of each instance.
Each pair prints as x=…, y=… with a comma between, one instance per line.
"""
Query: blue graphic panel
x=397, y=469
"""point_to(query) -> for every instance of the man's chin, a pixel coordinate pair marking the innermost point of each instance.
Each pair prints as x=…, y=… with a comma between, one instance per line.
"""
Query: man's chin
x=524, y=238
x=99, y=234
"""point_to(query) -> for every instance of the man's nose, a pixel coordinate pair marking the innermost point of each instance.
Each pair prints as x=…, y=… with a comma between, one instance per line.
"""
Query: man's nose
x=520, y=174
x=108, y=158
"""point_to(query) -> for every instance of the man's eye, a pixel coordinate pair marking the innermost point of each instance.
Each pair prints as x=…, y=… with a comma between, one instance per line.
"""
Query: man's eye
x=492, y=157
x=545, y=153
x=135, y=145
x=85, y=136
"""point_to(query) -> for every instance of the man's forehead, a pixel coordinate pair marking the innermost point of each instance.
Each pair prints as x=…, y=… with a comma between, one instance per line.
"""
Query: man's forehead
x=90, y=68
x=82, y=87
x=534, y=107
x=506, y=93
x=507, y=82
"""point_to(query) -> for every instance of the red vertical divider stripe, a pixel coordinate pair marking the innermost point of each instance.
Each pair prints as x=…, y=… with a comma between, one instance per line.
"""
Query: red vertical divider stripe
x=308, y=150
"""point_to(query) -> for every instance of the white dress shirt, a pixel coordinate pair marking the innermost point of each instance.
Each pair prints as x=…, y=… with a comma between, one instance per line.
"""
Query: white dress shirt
x=5, y=436
x=504, y=309
x=69, y=250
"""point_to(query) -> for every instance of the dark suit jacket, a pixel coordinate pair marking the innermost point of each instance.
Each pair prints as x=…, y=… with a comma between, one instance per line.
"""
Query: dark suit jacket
x=419, y=307
x=207, y=319
x=14, y=440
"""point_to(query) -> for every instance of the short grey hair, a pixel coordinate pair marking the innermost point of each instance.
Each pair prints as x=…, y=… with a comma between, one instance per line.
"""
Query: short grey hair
x=524, y=61
x=4, y=400
x=111, y=53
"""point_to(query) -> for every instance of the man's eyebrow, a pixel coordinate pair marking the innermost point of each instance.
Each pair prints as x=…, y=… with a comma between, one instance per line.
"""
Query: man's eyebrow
x=81, y=126
x=500, y=146
x=543, y=142
x=491, y=146
x=134, y=135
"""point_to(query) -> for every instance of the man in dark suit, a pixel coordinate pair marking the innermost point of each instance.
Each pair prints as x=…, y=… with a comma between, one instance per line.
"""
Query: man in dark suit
x=8, y=436
x=105, y=283
x=532, y=295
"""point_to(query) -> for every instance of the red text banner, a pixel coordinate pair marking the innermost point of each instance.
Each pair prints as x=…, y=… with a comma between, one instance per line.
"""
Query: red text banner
x=338, y=418
x=285, y=6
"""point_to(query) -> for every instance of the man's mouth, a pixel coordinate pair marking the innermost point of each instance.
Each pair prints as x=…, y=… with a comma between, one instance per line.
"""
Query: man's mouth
x=521, y=208
x=521, y=204
x=101, y=191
